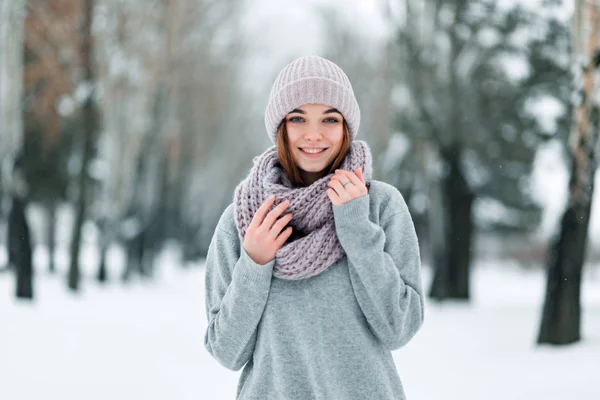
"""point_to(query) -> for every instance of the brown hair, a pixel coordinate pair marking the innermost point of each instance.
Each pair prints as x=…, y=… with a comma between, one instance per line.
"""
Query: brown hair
x=287, y=161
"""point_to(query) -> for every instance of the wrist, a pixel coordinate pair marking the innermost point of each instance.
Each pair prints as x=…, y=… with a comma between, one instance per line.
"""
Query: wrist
x=352, y=211
x=261, y=262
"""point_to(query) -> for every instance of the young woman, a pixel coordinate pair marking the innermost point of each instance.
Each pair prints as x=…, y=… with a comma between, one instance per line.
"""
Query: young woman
x=313, y=273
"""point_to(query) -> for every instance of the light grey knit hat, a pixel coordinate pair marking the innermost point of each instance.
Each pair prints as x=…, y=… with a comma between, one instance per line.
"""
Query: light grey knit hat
x=311, y=80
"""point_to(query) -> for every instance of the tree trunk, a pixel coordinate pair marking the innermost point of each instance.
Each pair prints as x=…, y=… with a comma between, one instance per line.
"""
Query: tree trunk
x=74, y=273
x=452, y=259
x=561, y=314
x=51, y=235
x=102, y=275
x=140, y=249
x=12, y=185
x=152, y=243
x=89, y=127
x=135, y=254
x=12, y=14
x=19, y=248
x=130, y=259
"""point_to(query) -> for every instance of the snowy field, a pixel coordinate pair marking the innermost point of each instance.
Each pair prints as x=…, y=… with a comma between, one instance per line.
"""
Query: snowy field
x=146, y=342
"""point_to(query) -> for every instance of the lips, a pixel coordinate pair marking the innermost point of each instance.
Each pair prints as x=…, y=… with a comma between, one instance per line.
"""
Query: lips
x=313, y=156
x=312, y=149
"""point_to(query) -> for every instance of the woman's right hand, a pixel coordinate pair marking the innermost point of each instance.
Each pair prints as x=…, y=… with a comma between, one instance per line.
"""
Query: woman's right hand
x=263, y=236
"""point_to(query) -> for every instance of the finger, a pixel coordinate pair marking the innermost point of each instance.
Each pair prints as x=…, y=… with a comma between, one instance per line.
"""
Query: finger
x=259, y=216
x=360, y=176
x=347, y=183
x=274, y=214
x=354, y=189
x=340, y=177
x=280, y=241
x=336, y=179
x=343, y=174
x=353, y=178
x=334, y=184
x=339, y=189
x=279, y=225
x=333, y=196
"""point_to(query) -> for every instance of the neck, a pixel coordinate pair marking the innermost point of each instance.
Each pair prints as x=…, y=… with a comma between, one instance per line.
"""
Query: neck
x=311, y=177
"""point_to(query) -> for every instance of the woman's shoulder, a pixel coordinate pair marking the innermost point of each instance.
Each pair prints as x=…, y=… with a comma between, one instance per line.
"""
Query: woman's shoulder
x=227, y=221
x=386, y=199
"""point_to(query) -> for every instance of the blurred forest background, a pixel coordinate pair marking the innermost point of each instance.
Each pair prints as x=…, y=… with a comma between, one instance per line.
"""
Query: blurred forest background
x=125, y=125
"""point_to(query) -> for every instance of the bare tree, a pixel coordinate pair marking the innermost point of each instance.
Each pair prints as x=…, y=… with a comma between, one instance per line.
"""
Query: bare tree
x=11, y=151
x=168, y=103
x=11, y=65
x=89, y=130
x=463, y=109
x=50, y=41
x=11, y=42
x=19, y=233
x=561, y=315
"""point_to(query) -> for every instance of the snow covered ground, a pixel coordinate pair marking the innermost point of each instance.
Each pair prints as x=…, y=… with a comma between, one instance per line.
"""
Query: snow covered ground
x=146, y=342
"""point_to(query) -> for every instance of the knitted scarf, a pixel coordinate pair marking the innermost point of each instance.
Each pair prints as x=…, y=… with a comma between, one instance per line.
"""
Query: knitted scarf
x=314, y=245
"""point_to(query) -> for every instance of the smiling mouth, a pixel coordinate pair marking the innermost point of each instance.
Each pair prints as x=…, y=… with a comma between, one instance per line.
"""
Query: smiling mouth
x=313, y=151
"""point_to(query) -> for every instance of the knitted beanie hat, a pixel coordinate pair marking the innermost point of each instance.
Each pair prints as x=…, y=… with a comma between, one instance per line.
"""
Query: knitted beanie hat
x=311, y=80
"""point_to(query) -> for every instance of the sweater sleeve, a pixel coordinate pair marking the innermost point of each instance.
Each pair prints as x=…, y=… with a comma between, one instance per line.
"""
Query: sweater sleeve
x=385, y=267
x=236, y=291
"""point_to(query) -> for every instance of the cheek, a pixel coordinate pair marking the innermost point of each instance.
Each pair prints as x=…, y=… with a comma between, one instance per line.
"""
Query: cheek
x=338, y=144
x=293, y=136
x=337, y=138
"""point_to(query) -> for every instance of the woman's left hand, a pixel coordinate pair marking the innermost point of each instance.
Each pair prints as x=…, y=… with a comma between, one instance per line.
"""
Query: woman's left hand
x=339, y=193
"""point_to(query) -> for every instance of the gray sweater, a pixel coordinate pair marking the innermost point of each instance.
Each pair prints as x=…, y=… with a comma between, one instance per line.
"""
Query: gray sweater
x=328, y=337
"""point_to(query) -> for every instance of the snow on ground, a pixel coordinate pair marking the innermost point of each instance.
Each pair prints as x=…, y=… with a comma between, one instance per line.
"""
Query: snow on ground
x=146, y=341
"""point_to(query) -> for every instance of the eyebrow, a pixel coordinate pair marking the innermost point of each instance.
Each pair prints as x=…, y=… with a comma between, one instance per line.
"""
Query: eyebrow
x=331, y=110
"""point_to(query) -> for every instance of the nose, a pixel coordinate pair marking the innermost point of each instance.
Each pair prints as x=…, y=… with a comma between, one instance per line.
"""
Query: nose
x=313, y=135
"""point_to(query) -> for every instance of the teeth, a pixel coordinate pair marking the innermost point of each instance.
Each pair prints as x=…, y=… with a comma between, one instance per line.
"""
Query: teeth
x=312, y=151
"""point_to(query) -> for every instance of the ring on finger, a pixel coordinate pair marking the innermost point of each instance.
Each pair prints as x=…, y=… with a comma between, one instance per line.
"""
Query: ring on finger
x=347, y=181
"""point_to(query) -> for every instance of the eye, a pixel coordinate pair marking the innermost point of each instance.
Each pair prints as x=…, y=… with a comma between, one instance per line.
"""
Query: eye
x=331, y=120
x=295, y=119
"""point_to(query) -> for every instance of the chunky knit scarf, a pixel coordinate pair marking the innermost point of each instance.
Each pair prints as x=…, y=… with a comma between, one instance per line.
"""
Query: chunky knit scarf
x=314, y=245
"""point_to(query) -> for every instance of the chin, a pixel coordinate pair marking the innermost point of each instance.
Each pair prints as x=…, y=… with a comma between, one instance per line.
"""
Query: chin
x=313, y=168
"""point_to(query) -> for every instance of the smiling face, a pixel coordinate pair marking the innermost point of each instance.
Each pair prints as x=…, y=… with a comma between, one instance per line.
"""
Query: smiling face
x=315, y=134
